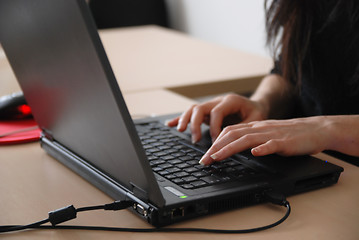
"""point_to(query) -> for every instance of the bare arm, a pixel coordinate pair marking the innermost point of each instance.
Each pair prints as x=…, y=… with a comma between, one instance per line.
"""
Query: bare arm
x=275, y=95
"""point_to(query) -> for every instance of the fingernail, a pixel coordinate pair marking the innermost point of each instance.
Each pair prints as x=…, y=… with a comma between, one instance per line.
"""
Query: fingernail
x=214, y=156
x=255, y=150
x=203, y=160
x=213, y=138
x=167, y=122
x=194, y=139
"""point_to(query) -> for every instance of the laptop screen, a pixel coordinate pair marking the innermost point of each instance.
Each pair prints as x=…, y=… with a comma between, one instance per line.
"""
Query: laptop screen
x=59, y=61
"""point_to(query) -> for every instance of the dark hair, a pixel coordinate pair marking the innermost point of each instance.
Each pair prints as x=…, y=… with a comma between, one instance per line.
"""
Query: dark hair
x=290, y=27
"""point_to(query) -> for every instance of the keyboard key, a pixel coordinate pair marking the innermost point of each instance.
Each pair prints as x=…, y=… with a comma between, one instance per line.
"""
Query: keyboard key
x=157, y=169
x=179, y=147
x=147, y=141
x=191, y=169
x=199, y=174
x=192, y=162
x=169, y=151
x=147, y=146
x=153, y=150
x=218, y=166
x=175, y=161
x=183, y=165
x=150, y=158
x=189, y=179
x=178, y=180
x=210, y=179
x=166, y=165
x=160, y=154
x=163, y=147
x=188, y=150
x=239, y=168
x=156, y=162
x=223, y=177
x=181, y=174
x=170, y=176
x=177, y=154
x=168, y=157
x=187, y=186
x=229, y=170
x=195, y=154
x=173, y=170
x=164, y=172
x=199, y=183
x=186, y=158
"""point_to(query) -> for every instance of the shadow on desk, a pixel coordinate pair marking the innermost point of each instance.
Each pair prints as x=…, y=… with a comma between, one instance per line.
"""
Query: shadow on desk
x=344, y=157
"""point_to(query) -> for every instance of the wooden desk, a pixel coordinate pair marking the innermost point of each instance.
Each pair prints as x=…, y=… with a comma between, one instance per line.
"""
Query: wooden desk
x=32, y=184
x=151, y=57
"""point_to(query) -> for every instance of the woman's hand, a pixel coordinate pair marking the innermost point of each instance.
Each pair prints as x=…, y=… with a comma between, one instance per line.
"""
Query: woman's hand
x=287, y=137
x=216, y=113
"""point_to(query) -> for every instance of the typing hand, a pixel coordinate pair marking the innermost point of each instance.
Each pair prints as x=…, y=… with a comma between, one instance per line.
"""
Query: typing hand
x=285, y=137
x=216, y=113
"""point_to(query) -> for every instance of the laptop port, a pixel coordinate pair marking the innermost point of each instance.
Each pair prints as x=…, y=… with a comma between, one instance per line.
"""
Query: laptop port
x=140, y=209
x=177, y=212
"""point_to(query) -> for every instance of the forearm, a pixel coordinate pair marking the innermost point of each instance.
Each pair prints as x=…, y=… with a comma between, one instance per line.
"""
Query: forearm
x=275, y=95
x=344, y=134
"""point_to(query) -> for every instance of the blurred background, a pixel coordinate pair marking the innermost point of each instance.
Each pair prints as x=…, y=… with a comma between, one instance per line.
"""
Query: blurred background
x=236, y=24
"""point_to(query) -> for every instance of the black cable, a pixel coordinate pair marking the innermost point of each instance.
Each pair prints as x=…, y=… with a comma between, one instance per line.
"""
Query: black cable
x=13, y=228
x=169, y=230
x=67, y=213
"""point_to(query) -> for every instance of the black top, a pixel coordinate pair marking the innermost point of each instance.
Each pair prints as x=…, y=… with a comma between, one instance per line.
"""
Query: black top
x=330, y=77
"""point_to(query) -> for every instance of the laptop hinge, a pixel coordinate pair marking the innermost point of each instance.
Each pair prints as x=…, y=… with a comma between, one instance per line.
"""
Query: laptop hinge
x=47, y=134
x=139, y=192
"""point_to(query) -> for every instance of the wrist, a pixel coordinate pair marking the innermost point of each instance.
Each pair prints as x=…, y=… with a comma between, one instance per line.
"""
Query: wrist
x=264, y=107
x=275, y=96
x=343, y=134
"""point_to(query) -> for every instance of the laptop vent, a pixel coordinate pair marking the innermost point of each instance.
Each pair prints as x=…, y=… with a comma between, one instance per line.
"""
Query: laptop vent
x=225, y=204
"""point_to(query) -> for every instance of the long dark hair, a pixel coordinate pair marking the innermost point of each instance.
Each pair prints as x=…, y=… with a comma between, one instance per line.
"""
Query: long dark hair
x=290, y=27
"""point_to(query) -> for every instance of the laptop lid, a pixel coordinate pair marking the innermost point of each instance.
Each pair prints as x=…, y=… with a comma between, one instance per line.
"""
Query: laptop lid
x=66, y=78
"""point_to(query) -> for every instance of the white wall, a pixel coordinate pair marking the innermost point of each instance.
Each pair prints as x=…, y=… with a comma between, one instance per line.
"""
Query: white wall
x=234, y=23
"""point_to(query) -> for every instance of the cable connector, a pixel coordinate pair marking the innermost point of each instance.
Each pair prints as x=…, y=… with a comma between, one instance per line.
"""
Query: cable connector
x=67, y=213
x=118, y=205
x=276, y=198
x=62, y=215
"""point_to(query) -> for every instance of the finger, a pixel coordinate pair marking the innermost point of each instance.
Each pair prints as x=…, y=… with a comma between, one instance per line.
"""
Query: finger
x=269, y=147
x=197, y=118
x=216, y=120
x=184, y=119
x=233, y=141
x=231, y=128
x=200, y=115
x=238, y=145
x=264, y=149
x=215, y=124
x=172, y=122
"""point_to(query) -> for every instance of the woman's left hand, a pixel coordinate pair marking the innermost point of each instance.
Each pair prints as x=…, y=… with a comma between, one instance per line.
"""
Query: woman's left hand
x=285, y=137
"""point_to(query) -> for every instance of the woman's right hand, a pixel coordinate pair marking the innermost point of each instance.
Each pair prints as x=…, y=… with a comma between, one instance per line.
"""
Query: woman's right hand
x=216, y=113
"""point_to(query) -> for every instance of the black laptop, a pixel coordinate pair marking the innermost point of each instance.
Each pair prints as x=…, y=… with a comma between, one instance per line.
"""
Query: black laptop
x=57, y=56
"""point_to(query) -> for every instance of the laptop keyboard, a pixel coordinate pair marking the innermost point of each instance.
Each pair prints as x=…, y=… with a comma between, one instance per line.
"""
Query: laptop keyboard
x=174, y=159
